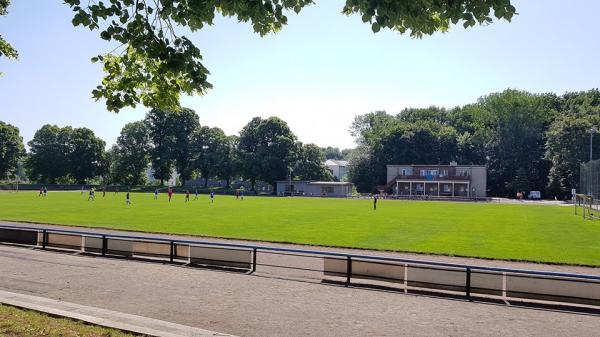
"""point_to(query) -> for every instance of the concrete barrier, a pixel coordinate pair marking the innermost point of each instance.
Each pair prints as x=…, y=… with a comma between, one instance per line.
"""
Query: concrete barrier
x=119, y=247
x=182, y=252
x=154, y=249
x=70, y=241
x=436, y=278
x=363, y=269
x=92, y=244
x=226, y=257
x=416, y=276
x=553, y=289
x=486, y=283
x=18, y=236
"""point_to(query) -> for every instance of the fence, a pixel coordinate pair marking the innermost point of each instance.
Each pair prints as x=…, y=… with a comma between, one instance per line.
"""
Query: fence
x=589, y=178
x=407, y=274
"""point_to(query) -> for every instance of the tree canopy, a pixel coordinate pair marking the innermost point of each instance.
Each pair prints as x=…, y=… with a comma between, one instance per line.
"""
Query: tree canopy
x=63, y=154
x=11, y=149
x=129, y=157
x=153, y=64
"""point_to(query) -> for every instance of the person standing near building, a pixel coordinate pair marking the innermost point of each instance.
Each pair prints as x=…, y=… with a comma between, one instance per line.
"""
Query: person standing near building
x=156, y=194
x=187, y=195
x=375, y=197
x=91, y=194
x=104, y=191
x=170, y=192
x=196, y=194
x=212, y=197
x=127, y=200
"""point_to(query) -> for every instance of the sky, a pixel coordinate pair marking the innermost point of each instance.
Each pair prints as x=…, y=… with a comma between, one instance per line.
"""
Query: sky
x=317, y=74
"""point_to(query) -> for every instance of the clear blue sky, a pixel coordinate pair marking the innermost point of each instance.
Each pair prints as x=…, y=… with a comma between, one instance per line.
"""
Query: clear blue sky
x=317, y=74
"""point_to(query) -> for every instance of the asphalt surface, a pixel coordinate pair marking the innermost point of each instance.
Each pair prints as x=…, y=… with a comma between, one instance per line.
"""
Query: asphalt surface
x=271, y=302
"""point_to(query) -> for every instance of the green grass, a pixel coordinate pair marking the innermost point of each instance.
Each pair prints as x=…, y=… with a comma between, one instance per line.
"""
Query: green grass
x=503, y=231
x=26, y=323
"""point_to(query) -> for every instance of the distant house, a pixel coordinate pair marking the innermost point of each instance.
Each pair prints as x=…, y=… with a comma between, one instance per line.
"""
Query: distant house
x=150, y=180
x=339, y=168
x=314, y=188
x=466, y=181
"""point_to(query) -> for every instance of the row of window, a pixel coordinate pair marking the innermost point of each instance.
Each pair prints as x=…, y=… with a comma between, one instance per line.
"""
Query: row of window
x=437, y=172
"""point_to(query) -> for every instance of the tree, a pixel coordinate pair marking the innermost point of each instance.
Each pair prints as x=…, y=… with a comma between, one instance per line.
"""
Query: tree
x=11, y=149
x=517, y=139
x=229, y=164
x=130, y=155
x=361, y=169
x=86, y=157
x=310, y=165
x=211, y=149
x=266, y=149
x=183, y=124
x=49, y=149
x=333, y=153
x=567, y=139
x=6, y=49
x=171, y=136
x=160, y=130
x=153, y=65
x=65, y=153
x=520, y=181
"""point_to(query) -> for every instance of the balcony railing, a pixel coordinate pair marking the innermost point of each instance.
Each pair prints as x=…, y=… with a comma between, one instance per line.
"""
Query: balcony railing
x=434, y=178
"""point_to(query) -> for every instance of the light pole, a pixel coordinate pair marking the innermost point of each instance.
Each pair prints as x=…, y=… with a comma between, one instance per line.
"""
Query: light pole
x=290, y=181
x=592, y=131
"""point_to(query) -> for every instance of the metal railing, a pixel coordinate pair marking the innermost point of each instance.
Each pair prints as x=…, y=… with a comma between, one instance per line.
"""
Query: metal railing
x=586, y=288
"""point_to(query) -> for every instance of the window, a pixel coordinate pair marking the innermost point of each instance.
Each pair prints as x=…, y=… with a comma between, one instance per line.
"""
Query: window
x=462, y=172
x=447, y=188
x=326, y=189
x=427, y=173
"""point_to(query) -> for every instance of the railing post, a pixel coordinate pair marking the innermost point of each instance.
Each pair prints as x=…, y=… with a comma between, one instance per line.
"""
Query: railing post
x=44, y=239
x=172, y=252
x=254, y=251
x=468, y=286
x=348, y=270
x=104, y=245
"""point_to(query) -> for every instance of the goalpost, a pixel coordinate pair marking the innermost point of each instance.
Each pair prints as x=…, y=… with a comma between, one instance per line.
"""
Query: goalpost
x=10, y=186
x=587, y=205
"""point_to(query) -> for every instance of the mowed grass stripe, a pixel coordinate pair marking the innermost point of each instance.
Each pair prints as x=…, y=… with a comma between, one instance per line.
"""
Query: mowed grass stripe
x=502, y=231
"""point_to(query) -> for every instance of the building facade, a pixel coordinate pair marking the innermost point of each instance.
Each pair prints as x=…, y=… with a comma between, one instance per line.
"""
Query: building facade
x=314, y=188
x=339, y=168
x=464, y=181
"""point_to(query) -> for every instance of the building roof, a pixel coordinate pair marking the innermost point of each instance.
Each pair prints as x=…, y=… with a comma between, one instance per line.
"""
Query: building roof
x=315, y=182
x=440, y=165
x=333, y=162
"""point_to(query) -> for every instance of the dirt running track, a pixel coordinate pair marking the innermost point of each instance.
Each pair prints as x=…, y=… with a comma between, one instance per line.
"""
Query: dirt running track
x=266, y=305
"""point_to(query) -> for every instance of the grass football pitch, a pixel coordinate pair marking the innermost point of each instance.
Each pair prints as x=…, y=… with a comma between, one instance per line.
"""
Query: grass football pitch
x=538, y=233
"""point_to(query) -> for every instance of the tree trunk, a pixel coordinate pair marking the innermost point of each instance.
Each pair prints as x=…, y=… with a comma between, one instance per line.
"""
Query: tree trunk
x=227, y=183
x=205, y=175
x=253, y=183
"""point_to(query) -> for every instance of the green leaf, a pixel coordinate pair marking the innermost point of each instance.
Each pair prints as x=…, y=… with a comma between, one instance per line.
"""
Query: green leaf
x=375, y=27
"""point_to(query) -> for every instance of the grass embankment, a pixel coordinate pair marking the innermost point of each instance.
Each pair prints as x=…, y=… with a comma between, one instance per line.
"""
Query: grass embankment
x=26, y=323
x=503, y=231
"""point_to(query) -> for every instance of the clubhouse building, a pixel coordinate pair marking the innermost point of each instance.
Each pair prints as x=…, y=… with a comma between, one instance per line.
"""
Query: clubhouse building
x=314, y=188
x=451, y=181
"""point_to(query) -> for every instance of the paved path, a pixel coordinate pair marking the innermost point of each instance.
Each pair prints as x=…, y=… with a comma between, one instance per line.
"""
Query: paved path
x=265, y=305
x=107, y=318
